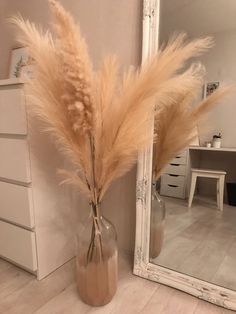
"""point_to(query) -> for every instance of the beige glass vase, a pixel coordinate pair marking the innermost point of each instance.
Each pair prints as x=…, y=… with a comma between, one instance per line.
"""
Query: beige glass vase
x=97, y=260
x=157, y=223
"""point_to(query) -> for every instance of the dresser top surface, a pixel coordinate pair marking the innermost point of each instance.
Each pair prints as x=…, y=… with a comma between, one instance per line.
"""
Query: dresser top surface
x=12, y=81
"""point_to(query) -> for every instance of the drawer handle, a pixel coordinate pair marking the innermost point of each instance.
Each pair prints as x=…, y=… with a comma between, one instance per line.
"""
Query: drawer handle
x=176, y=165
x=173, y=186
x=173, y=175
x=178, y=157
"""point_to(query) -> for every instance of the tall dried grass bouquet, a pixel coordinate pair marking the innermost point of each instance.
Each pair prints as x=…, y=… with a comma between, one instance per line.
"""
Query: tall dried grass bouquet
x=102, y=120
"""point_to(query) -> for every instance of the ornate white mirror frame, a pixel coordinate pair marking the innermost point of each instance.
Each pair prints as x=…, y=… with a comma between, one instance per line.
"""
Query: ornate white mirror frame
x=142, y=266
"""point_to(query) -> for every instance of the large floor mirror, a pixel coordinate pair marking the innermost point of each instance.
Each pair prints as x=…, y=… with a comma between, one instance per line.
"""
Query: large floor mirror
x=192, y=247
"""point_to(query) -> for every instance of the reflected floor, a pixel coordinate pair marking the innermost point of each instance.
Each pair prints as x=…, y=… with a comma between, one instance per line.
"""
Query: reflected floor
x=200, y=242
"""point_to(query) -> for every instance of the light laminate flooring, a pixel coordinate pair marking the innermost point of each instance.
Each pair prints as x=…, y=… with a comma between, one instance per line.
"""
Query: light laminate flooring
x=200, y=242
x=21, y=293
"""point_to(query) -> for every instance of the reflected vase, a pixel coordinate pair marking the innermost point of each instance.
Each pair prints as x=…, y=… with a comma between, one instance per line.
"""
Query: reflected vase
x=97, y=260
x=157, y=223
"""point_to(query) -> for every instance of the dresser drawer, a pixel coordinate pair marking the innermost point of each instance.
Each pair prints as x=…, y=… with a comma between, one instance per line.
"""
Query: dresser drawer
x=16, y=204
x=176, y=169
x=181, y=160
x=13, y=111
x=14, y=160
x=173, y=179
x=18, y=245
x=172, y=190
x=182, y=154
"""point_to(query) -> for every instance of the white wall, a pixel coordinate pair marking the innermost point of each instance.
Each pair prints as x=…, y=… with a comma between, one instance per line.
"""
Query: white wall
x=109, y=27
x=220, y=66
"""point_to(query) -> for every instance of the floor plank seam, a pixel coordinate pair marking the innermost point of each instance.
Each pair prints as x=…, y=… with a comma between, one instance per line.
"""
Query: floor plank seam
x=157, y=288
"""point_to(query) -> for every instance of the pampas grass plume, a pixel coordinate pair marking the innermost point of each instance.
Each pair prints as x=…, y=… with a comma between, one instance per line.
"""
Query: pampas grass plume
x=102, y=120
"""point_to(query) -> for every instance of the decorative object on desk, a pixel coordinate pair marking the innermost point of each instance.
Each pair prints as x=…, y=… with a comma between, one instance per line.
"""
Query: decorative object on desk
x=216, y=141
x=208, y=144
x=209, y=88
x=21, y=64
x=101, y=127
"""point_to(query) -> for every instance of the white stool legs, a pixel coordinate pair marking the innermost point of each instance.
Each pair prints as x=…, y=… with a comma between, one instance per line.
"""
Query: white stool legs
x=218, y=192
x=216, y=174
x=221, y=191
x=192, y=189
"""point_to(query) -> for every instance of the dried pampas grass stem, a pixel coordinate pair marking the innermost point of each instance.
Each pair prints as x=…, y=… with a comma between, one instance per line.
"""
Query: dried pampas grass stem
x=101, y=120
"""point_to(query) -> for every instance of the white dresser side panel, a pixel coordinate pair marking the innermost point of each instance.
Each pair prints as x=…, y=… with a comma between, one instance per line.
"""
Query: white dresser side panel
x=54, y=216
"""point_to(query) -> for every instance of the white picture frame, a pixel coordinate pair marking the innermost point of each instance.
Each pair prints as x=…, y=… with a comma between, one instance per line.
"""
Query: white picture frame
x=142, y=266
x=21, y=64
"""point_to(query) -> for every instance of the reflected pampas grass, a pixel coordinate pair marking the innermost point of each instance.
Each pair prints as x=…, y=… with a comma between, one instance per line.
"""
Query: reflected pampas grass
x=176, y=120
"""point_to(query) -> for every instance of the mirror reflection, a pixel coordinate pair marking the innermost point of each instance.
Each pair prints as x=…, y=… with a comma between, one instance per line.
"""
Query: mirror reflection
x=193, y=216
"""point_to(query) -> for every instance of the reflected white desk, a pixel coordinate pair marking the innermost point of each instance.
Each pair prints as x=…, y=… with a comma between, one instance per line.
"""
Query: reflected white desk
x=223, y=158
x=222, y=149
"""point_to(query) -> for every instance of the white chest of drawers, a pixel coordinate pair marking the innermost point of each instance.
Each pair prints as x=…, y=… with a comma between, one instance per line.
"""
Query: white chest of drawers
x=174, y=178
x=35, y=232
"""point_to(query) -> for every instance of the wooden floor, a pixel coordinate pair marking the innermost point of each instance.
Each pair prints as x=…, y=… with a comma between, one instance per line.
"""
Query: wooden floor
x=200, y=242
x=21, y=293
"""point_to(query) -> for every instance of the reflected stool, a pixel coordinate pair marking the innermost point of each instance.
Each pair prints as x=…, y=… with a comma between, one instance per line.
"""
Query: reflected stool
x=217, y=174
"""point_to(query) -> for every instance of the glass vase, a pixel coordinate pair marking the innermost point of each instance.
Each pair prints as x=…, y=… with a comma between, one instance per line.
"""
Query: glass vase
x=157, y=223
x=97, y=260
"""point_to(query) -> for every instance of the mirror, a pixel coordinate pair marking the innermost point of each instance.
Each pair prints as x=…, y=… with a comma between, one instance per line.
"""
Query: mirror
x=186, y=221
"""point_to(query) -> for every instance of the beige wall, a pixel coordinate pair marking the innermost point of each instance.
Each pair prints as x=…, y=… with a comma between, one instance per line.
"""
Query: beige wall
x=109, y=27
